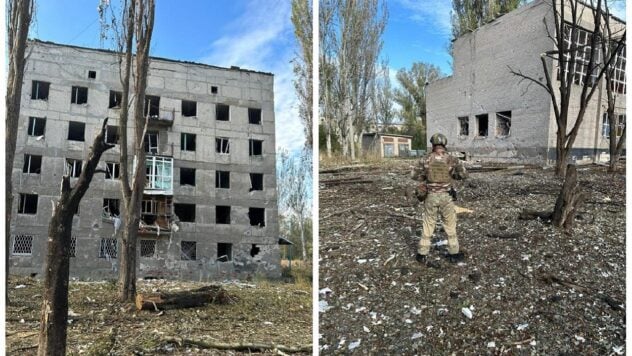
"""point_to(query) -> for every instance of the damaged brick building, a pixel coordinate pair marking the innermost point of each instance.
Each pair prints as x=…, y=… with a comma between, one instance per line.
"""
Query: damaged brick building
x=490, y=115
x=209, y=209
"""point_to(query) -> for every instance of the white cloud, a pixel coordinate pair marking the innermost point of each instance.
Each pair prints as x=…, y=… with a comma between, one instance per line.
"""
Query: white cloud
x=434, y=13
x=262, y=39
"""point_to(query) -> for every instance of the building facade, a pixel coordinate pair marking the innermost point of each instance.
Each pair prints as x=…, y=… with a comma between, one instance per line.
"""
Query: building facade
x=490, y=114
x=209, y=209
x=387, y=145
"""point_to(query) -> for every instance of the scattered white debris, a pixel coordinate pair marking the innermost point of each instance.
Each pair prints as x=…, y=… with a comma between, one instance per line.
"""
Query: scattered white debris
x=496, y=312
x=491, y=344
x=579, y=338
x=408, y=321
x=360, y=309
x=429, y=327
x=618, y=350
x=389, y=259
x=440, y=243
x=325, y=291
x=521, y=327
x=467, y=312
x=22, y=321
x=72, y=313
x=354, y=344
x=533, y=343
x=361, y=261
x=20, y=286
x=323, y=306
x=268, y=323
x=415, y=311
x=373, y=315
x=416, y=336
x=366, y=329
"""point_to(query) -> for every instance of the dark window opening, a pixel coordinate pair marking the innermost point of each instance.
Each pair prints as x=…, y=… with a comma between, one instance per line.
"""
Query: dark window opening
x=188, y=250
x=222, y=112
x=464, y=126
x=27, y=204
x=39, y=90
x=112, y=135
x=222, y=179
x=254, y=250
x=32, y=164
x=254, y=116
x=256, y=147
x=79, y=95
x=72, y=252
x=149, y=211
x=482, y=125
x=112, y=170
x=222, y=145
x=76, y=131
x=222, y=214
x=257, y=216
x=92, y=74
x=187, y=176
x=115, y=99
x=147, y=248
x=108, y=248
x=151, y=142
x=224, y=252
x=73, y=167
x=213, y=89
x=187, y=142
x=152, y=106
x=111, y=207
x=22, y=244
x=256, y=181
x=503, y=123
x=37, y=126
x=189, y=108
x=185, y=212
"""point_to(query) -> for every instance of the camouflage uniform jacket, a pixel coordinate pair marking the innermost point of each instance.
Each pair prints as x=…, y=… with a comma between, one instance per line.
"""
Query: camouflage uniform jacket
x=422, y=171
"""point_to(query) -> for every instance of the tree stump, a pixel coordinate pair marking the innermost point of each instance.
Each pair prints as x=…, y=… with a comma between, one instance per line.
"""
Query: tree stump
x=568, y=201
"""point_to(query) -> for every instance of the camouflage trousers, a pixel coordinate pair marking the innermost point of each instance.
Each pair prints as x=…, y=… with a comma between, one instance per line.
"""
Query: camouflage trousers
x=438, y=204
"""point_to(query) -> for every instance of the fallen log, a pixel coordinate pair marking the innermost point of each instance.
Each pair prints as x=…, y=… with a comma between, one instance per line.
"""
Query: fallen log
x=248, y=347
x=180, y=300
x=527, y=214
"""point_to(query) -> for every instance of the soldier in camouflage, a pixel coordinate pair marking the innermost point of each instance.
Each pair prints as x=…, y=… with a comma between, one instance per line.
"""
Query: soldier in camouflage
x=436, y=171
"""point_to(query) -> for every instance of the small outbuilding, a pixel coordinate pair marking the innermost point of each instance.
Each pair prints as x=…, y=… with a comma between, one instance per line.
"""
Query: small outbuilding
x=386, y=144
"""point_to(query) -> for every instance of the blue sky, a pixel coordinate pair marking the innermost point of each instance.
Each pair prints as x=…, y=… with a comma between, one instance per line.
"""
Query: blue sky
x=252, y=34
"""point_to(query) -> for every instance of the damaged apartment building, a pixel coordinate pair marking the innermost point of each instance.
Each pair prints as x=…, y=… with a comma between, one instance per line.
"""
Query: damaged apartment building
x=209, y=209
x=489, y=114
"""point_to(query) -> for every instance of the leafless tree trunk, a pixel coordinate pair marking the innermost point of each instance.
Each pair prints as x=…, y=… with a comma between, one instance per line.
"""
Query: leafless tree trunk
x=568, y=201
x=20, y=16
x=303, y=68
x=327, y=38
x=54, y=314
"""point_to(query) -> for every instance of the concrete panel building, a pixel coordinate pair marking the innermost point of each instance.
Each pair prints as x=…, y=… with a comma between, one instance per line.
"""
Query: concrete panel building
x=210, y=205
x=386, y=144
x=488, y=113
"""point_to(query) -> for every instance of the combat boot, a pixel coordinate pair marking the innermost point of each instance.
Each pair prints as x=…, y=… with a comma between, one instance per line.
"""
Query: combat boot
x=421, y=258
x=456, y=257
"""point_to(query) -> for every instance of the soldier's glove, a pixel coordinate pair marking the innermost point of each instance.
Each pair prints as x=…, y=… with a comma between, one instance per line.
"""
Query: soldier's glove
x=452, y=193
x=421, y=192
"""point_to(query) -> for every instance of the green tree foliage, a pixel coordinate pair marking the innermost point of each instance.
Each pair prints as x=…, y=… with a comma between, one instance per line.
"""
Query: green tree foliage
x=411, y=97
x=302, y=63
x=468, y=15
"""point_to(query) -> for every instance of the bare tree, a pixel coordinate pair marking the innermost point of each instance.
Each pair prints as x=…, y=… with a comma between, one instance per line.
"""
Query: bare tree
x=54, y=314
x=570, y=55
x=303, y=65
x=326, y=12
x=20, y=17
x=382, y=105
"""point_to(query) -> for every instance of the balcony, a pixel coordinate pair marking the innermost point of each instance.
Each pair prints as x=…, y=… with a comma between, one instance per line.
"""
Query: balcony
x=159, y=175
x=156, y=215
x=162, y=117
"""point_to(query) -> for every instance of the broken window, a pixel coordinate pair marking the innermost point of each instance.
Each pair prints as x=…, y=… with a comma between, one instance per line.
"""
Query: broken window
x=574, y=35
x=73, y=167
x=22, y=245
x=222, y=112
x=464, y=126
x=256, y=147
x=189, y=108
x=27, y=204
x=32, y=164
x=254, y=250
x=79, y=95
x=158, y=173
x=72, y=252
x=76, y=131
x=39, y=90
x=222, y=145
x=147, y=248
x=152, y=106
x=254, y=116
x=148, y=211
x=256, y=181
x=620, y=124
x=482, y=125
x=222, y=214
x=213, y=89
x=92, y=74
x=111, y=207
x=224, y=252
x=503, y=123
x=37, y=126
x=187, y=142
x=112, y=135
x=188, y=250
x=187, y=176
x=112, y=170
x=185, y=212
x=257, y=216
x=115, y=99
x=618, y=74
x=222, y=179
x=151, y=142
x=605, y=126
x=108, y=248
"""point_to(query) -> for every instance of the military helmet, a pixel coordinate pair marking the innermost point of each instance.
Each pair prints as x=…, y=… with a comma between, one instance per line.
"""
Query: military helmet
x=439, y=139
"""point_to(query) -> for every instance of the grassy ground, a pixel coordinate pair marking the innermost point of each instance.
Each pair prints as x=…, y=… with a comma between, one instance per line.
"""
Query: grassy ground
x=263, y=312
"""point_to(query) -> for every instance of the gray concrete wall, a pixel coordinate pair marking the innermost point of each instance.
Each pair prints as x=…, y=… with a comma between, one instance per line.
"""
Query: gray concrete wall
x=65, y=66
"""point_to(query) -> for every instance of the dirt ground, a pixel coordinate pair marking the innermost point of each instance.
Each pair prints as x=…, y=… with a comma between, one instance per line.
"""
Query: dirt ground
x=262, y=313
x=528, y=288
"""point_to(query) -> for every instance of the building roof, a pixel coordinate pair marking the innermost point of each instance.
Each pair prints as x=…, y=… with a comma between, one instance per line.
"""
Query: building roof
x=386, y=134
x=233, y=68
